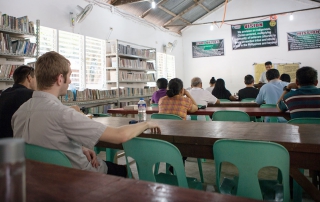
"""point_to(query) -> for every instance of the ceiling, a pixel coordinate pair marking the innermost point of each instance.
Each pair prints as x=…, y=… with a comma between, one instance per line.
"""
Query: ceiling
x=173, y=15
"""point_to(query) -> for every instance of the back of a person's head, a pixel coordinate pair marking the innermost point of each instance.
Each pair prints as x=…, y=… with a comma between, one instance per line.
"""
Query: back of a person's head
x=196, y=81
x=219, y=88
x=285, y=77
x=48, y=67
x=21, y=73
x=162, y=83
x=248, y=79
x=212, y=80
x=272, y=74
x=174, y=87
x=267, y=63
x=307, y=76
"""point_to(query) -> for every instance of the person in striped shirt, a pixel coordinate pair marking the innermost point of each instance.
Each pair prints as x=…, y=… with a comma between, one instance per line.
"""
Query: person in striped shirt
x=302, y=98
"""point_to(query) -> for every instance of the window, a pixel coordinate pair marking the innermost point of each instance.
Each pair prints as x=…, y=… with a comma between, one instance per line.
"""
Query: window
x=71, y=46
x=95, y=63
x=166, y=66
x=48, y=40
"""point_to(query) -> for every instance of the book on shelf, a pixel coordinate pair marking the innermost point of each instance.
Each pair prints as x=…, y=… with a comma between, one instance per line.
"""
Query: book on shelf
x=20, y=24
x=21, y=46
x=6, y=70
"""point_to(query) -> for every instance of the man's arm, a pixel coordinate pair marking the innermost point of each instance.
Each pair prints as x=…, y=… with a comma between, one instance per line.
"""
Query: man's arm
x=127, y=132
x=280, y=104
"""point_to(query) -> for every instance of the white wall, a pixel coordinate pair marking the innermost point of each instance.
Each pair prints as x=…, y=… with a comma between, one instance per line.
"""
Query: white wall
x=55, y=14
x=235, y=64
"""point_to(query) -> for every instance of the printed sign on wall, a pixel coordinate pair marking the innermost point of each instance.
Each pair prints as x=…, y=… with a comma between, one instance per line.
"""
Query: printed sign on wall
x=254, y=35
x=309, y=39
x=208, y=48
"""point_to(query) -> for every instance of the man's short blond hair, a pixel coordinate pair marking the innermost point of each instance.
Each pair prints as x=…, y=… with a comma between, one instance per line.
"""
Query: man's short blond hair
x=48, y=67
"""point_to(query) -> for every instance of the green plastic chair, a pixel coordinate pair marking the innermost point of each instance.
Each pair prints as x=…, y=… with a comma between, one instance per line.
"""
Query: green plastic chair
x=175, y=117
x=110, y=153
x=297, y=189
x=224, y=100
x=271, y=119
x=195, y=117
x=154, y=105
x=45, y=155
x=160, y=151
x=248, y=100
x=249, y=157
x=230, y=115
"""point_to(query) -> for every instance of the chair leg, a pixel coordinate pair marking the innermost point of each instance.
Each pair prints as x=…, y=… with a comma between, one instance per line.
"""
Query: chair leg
x=129, y=173
x=111, y=155
x=200, y=169
x=297, y=190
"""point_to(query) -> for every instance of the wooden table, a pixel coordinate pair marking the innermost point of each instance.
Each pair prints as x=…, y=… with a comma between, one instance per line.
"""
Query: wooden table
x=252, y=111
x=196, y=138
x=46, y=182
x=234, y=104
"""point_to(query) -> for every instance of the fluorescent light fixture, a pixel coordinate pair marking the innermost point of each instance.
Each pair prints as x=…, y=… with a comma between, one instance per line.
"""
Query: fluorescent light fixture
x=211, y=27
x=153, y=4
x=291, y=16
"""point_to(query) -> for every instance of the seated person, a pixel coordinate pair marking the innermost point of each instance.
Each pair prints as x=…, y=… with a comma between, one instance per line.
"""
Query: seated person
x=44, y=121
x=263, y=77
x=175, y=102
x=212, y=83
x=285, y=77
x=221, y=92
x=12, y=98
x=305, y=100
x=201, y=96
x=249, y=91
x=162, y=84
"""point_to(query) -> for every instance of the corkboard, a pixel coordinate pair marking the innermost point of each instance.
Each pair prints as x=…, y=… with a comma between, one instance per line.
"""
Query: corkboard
x=289, y=69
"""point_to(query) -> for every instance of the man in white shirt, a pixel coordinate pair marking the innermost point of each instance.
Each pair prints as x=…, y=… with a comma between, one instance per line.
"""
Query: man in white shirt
x=263, y=78
x=44, y=121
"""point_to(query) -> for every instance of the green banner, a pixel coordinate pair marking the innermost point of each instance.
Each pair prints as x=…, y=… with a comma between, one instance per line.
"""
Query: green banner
x=254, y=35
x=208, y=48
x=309, y=39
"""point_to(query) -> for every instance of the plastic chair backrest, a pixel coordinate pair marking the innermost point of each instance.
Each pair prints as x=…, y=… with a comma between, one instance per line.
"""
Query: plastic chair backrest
x=154, y=105
x=268, y=106
x=224, y=100
x=230, y=115
x=45, y=155
x=160, y=151
x=165, y=116
x=248, y=100
x=305, y=121
x=249, y=157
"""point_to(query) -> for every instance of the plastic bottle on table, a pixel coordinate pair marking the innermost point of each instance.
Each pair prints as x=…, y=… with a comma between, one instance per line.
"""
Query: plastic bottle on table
x=142, y=110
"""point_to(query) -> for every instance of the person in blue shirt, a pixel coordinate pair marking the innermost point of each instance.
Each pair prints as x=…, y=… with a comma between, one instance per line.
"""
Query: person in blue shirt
x=305, y=100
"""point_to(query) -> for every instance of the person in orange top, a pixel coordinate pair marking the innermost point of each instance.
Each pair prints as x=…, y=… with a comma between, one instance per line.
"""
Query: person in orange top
x=175, y=102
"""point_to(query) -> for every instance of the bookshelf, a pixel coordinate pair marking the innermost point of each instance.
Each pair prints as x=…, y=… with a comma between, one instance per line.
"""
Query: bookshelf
x=16, y=35
x=130, y=68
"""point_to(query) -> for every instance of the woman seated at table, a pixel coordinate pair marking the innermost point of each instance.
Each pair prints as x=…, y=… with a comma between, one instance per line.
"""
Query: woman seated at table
x=221, y=92
x=175, y=102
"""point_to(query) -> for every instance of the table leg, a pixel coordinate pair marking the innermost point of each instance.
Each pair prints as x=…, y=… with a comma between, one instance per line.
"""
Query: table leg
x=305, y=184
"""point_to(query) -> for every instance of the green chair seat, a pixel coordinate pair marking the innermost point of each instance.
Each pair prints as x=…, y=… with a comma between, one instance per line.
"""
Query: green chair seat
x=230, y=115
x=305, y=121
x=154, y=105
x=224, y=100
x=46, y=155
x=271, y=119
x=248, y=100
x=173, y=180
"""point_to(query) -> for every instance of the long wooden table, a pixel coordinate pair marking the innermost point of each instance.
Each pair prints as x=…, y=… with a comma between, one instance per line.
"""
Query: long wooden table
x=252, y=111
x=47, y=182
x=196, y=138
x=234, y=104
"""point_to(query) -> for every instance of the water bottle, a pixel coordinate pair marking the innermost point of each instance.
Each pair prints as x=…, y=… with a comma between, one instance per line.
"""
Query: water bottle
x=142, y=110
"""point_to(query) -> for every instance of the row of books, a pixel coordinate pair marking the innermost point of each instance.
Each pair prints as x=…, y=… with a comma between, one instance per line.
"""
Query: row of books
x=128, y=50
x=102, y=109
x=6, y=70
x=89, y=94
x=136, y=76
x=21, y=24
x=129, y=63
x=129, y=92
x=7, y=45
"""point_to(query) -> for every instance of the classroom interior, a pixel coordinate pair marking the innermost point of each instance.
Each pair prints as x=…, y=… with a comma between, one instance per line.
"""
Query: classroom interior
x=232, y=66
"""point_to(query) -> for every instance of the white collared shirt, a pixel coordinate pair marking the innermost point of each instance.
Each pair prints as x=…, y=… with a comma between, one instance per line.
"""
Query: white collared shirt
x=202, y=97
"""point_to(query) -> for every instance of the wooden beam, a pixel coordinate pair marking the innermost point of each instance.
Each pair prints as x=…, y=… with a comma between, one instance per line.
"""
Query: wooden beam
x=180, y=14
x=174, y=15
x=122, y=2
x=200, y=4
x=148, y=11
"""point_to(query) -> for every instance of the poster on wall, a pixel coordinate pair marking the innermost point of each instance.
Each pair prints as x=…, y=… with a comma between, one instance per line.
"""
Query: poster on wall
x=208, y=48
x=254, y=35
x=309, y=39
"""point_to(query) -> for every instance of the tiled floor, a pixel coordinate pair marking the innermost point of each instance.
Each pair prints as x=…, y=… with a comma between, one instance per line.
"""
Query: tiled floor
x=208, y=168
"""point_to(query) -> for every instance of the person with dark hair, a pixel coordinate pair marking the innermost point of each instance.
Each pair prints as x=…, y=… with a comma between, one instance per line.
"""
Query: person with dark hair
x=221, y=92
x=212, y=83
x=285, y=77
x=263, y=78
x=44, y=121
x=162, y=84
x=249, y=91
x=12, y=98
x=175, y=102
x=305, y=100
